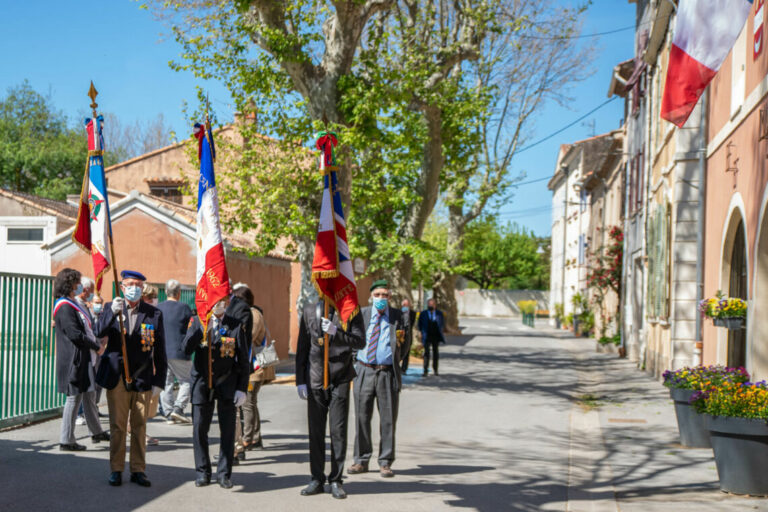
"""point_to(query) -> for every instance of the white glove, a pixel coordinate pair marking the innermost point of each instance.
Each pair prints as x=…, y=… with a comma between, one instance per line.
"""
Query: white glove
x=156, y=390
x=303, y=392
x=239, y=398
x=328, y=327
x=117, y=305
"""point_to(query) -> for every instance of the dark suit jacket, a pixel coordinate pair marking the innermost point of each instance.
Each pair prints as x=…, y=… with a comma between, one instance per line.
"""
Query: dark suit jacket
x=72, y=351
x=176, y=317
x=309, y=353
x=424, y=322
x=148, y=368
x=409, y=322
x=230, y=372
x=395, y=322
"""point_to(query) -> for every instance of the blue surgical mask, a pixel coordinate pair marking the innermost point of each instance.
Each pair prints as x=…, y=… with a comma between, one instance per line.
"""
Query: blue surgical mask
x=97, y=308
x=79, y=289
x=90, y=298
x=380, y=303
x=405, y=309
x=132, y=293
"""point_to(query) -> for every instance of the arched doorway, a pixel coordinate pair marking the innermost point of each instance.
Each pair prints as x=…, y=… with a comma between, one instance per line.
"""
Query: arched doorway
x=737, y=287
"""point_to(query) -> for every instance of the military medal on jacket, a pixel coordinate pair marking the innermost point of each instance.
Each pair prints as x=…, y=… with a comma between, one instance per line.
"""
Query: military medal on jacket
x=147, y=337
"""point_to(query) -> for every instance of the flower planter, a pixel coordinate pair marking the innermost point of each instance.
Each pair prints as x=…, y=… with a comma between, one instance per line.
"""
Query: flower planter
x=718, y=322
x=734, y=323
x=741, y=454
x=691, y=425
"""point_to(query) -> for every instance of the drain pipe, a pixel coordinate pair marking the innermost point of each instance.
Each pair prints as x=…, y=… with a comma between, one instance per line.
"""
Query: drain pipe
x=698, y=342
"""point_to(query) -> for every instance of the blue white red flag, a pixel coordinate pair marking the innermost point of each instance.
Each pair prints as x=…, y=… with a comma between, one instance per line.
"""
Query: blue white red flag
x=212, y=276
x=93, y=226
x=332, y=272
x=705, y=31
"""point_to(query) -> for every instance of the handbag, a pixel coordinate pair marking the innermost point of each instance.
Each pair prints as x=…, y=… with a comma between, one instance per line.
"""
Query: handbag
x=268, y=356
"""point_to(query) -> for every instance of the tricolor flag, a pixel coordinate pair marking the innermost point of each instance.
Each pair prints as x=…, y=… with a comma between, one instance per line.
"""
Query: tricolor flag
x=332, y=272
x=93, y=226
x=212, y=276
x=705, y=32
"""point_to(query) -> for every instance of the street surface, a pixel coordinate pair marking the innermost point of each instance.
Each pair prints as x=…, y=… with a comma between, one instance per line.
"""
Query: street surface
x=519, y=419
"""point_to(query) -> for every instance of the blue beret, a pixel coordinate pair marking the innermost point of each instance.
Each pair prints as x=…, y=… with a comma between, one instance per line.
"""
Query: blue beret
x=132, y=274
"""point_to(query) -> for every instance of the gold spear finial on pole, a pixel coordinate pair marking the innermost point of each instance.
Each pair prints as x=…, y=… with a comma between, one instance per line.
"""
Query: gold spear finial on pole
x=92, y=93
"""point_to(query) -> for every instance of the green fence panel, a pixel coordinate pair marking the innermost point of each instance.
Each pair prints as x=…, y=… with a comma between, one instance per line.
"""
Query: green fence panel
x=27, y=349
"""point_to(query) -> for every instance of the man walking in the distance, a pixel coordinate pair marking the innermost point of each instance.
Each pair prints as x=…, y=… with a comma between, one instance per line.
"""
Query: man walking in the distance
x=176, y=316
x=431, y=325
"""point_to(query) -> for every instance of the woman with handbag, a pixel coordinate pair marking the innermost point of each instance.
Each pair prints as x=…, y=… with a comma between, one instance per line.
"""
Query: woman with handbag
x=74, y=367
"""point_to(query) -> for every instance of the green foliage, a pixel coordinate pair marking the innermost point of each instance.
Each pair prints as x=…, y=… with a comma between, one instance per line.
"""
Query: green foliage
x=559, y=311
x=497, y=256
x=610, y=340
x=568, y=322
x=39, y=152
x=527, y=307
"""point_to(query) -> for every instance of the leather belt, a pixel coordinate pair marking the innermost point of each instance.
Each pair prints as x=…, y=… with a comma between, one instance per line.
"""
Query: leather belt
x=377, y=366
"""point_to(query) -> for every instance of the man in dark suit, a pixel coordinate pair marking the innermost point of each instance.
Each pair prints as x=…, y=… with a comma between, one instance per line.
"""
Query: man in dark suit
x=176, y=317
x=145, y=347
x=378, y=380
x=409, y=322
x=334, y=401
x=225, y=346
x=431, y=325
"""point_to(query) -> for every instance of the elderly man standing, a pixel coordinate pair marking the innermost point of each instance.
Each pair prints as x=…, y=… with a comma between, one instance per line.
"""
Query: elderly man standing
x=378, y=379
x=145, y=348
x=176, y=316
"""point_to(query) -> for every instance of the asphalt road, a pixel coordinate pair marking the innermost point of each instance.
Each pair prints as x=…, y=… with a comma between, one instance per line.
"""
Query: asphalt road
x=519, y=419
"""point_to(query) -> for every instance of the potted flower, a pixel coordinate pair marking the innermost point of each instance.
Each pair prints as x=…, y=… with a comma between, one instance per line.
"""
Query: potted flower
x=688, y=382
x=709, y=308
x=737, y=418
x=733, y=311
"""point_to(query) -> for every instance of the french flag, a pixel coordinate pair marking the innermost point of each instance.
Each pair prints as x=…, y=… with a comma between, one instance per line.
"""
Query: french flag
x=332, y=271
x=212, y=276
x=705, y=32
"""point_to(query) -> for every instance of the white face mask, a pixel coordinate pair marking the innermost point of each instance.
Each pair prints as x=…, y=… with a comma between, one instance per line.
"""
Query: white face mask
x=219, y=308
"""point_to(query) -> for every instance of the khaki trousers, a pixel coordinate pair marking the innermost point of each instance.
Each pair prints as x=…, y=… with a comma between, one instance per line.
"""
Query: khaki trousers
x=124, y=404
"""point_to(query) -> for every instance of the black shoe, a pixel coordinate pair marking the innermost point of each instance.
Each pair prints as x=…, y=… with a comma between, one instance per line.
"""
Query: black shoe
x=73, y=447
x=337, y=491
x=436, y=374
x=202, y=481
x=141, y=479
x=225, y=483
x=240, y=455
x=103, y=415
x=255, y=446
x=425, y=373
x=314, y=487
x=104, y=436
x=116, y=479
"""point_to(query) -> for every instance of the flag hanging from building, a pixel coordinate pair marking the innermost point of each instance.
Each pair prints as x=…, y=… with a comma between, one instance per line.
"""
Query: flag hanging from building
x=212, y=276
x=705, y=31
x=93, y=226
x=332, y=272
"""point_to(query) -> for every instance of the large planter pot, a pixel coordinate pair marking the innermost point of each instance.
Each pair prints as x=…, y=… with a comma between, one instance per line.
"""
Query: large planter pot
x=691, y=425
x=741, y=454
x=718, y=322
x=734, y=323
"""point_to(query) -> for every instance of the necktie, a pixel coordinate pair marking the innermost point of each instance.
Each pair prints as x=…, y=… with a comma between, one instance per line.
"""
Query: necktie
x=373, y=343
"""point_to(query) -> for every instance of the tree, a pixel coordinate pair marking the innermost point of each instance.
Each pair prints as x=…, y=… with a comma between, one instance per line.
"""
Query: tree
x=496, y=255
x=604, y=275
x=39, y=153
x=521, y=68
x=125, y=141
x=382, y=72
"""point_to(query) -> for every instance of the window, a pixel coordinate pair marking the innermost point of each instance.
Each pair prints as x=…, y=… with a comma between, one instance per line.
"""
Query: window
x=582, y=247
x=25, y=234
x=583, y=199
x=167, y=192
x=636, y=183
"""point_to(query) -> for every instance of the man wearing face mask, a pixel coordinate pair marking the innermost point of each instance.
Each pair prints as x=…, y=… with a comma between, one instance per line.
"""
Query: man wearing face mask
x=145, y=347
x=378, y=380
x=330, y=405
x=409, y=321
x=431, y=325
x=226, y=346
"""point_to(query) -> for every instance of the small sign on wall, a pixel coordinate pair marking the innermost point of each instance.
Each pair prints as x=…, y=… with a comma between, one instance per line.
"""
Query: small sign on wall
x=757, y=43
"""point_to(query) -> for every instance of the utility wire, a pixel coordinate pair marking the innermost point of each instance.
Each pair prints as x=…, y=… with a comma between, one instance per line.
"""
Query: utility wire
x=531, y=181
x=580, y=36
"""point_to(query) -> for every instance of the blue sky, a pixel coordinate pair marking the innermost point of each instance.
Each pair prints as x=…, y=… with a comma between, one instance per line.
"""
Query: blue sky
x=60, y=46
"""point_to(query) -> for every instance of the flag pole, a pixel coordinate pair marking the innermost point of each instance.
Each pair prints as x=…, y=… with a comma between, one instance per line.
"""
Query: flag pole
x=207, y=339
x=326, y=340
x=92, y=93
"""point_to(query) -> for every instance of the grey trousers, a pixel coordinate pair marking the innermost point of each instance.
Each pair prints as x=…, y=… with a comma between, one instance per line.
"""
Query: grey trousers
x=71, y=407
x=251, y=419
x=379, y=386
x=178, y=369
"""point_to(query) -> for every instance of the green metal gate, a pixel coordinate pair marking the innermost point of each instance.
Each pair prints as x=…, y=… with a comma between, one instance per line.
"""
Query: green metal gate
x=27, y=350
